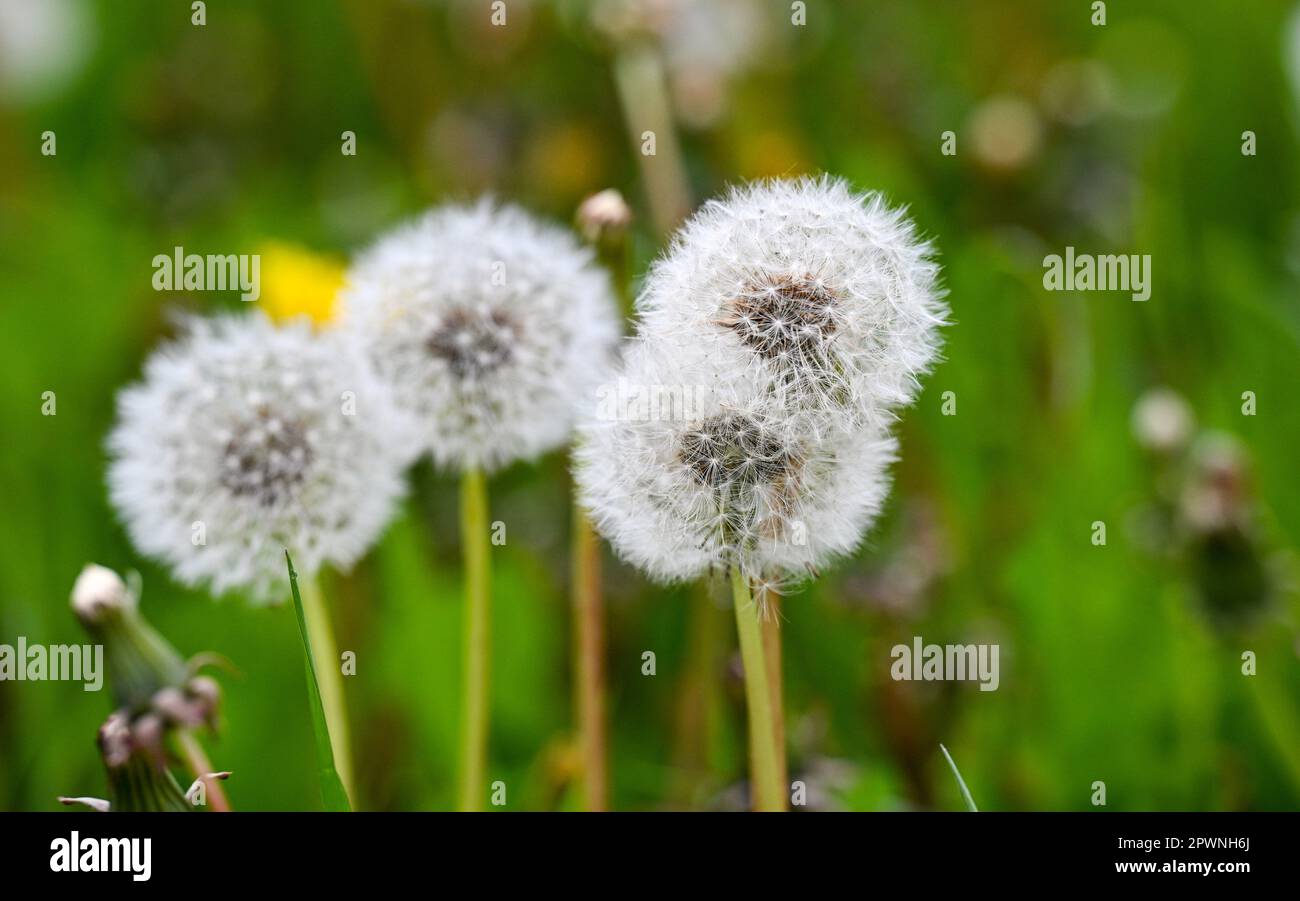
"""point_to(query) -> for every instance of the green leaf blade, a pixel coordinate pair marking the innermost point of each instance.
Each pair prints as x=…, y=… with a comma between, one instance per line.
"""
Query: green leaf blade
x=332, y=792
x=961, y=783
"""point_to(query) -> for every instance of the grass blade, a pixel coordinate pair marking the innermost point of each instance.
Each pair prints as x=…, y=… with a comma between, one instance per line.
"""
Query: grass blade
x=965, y=792
x=331, y=786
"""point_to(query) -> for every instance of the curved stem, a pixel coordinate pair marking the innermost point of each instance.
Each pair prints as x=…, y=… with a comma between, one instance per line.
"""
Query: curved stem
x=329, y=679
x=474, y=715
x=765, y=773
x=589, y=662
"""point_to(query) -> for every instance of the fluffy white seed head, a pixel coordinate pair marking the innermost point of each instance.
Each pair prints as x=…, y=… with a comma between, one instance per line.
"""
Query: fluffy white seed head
x=245, y=439
x=720, y=475
x=826, y=297
x=489, y=327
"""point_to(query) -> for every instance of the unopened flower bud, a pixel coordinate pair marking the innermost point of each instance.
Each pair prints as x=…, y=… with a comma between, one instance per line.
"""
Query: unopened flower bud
x=604, y=215
x=139, y=660
x=1162, y=420
x=97, y=591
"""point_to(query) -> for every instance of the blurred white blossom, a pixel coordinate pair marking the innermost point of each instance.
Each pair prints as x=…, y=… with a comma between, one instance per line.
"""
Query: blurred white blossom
x=489, y=326
x=245, y=439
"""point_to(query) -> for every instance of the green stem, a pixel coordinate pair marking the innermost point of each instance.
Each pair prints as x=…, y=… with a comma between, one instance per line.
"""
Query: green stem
x=771, y=628
x=474, y=718
x=329, y=678
x=765, y=770
x=589, y=663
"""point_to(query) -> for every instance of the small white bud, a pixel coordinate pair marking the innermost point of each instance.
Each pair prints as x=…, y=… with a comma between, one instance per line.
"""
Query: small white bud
x=1162, y=420
x=99, y=589
x=602, y=214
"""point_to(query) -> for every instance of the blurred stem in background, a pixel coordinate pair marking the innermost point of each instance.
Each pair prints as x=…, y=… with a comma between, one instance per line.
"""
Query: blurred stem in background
x=1278, y=717
x=643, y=93
x=474, y=719
x=602, y=219
x=589, y=663
x=329, y=678
x=639, y=75
x=699, y=752
x=766, y=788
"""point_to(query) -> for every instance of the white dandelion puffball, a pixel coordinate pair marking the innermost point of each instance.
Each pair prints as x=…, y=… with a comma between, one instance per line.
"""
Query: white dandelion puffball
x=488, y=325
x=245, y=439
x=691, y=472
x=826, y=296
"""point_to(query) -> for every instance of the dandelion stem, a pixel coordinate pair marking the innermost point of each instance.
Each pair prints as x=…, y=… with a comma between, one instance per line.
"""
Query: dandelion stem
x=196, y=761
x=329, y=678
x=768, y=791
x=474, y=718
x=589, y=662
x=771, y=626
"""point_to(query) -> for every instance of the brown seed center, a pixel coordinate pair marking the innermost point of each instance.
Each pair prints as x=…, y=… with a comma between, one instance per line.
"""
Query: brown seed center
x=473, y=343
x=266, y=459
x=784, y=318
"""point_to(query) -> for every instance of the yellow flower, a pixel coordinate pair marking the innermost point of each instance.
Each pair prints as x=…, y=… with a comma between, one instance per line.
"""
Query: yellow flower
x=299, y=282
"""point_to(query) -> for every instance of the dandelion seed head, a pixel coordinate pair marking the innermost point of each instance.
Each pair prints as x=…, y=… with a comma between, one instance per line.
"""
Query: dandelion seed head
x=488, y=325
x=244, y=439
x=826, y=295
x=740, y=481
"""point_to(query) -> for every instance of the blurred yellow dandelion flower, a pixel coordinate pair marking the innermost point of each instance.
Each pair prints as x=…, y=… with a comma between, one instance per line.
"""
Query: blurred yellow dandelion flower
x=299, y=282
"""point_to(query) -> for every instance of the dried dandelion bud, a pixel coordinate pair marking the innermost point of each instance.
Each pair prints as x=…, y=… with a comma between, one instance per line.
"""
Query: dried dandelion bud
x=138, y=777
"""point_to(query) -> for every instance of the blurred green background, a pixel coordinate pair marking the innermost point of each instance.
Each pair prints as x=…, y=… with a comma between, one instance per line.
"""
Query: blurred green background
x=1120, y=663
